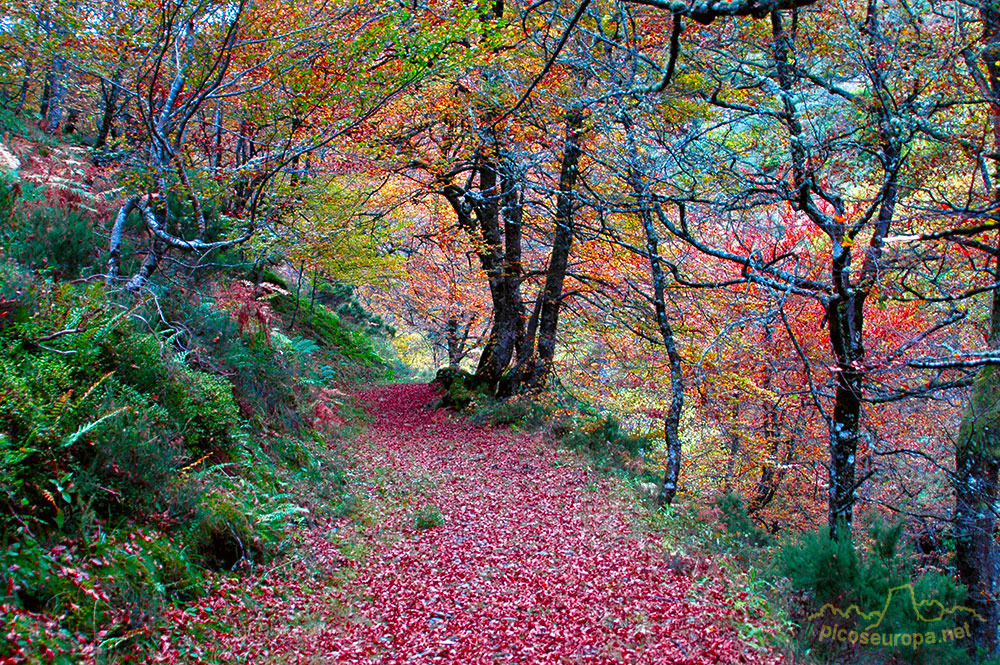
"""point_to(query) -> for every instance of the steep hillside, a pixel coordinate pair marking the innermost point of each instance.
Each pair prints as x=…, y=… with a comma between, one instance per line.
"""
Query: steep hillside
x=151, y=442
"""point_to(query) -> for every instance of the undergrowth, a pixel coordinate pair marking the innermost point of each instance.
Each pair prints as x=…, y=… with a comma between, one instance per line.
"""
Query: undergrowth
x=149, y=444
x=561, y=418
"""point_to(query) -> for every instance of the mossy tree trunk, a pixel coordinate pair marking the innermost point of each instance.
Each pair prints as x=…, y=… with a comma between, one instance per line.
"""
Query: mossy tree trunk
x=977, y=460
x=977, y=450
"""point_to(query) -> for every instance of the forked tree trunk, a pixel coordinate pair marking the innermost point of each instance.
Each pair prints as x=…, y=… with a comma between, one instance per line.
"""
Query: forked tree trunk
x=110, y=94
x=157, y=250
x=499, y=252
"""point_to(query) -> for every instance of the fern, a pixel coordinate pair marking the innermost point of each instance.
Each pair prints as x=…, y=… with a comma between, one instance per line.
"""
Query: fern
x=304, y=346
x=91, y=426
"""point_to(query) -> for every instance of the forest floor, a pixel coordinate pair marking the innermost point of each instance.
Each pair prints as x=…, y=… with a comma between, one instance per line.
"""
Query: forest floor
x=469, y=544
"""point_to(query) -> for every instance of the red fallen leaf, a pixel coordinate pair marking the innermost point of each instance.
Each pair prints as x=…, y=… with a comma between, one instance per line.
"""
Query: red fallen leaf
x=527, y=568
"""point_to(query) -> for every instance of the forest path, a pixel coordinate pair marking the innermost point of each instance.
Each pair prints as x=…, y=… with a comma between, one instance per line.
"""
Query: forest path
x=534, y=559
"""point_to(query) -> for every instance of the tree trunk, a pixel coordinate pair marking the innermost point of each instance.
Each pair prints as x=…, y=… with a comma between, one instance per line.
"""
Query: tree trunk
x=513, y=217
x=115, y=244
x=110, y=93
x=977, y=451
x=157, y=250
x=977, y=460
x=845, y=307
x=499, y=253
x=845, y=432
x=562, y=244
x=500, y=345
x=56, y=87
x=456, y=343
x=672, y=420
x=22, y=93
x=216, y=160
x=771, y=471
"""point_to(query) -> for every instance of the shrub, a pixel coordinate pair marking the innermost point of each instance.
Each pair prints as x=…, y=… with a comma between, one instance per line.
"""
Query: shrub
x=175, y=573
x=599, y=435
x=57, y=236
x=877, y=580
x=427, y=517
x=203, y=408
x=520, y=412
x=738, y=522
x=131, y=587
x=10, y=196
x=328, y=330
x=135, y=469
x=135, y=358
x=263, y=382
x=223, y=534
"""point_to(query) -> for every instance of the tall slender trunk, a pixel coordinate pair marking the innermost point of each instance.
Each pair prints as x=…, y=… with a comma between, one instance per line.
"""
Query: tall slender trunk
x=562, y=245
x=672, y=419
x=22, y=93
x=977, y=451
x=513, y=217
x=845, y=324
x=772, y=470
x=216, y=160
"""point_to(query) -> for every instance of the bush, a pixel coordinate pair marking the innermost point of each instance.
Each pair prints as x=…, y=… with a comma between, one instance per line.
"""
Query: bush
x=573, y=424
x=734, y=515
x=136, y=471
x=203, y=409
x=60, y=240
x=328, y=330
x=175, y=573
x=55, y=234
x=264, y=383
x=10, y=196
x=223, y=534
x=519, y=412
x=427, y=517
x=877, y=581
x=603, y=435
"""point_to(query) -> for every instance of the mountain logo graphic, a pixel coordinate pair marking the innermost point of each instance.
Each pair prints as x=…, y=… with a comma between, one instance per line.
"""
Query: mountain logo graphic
x=927, y=611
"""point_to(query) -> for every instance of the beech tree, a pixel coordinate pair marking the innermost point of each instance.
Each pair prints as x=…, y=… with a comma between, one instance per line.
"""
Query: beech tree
x=204, y=58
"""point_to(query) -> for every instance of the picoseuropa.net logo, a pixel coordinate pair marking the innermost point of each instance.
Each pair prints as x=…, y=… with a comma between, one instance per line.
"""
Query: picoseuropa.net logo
x=855, y=627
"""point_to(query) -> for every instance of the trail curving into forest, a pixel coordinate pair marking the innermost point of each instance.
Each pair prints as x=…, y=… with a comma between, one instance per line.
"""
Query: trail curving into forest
x=535, y=559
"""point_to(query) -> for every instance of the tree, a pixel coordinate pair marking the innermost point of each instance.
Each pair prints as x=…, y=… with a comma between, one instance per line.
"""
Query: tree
x=291, y=96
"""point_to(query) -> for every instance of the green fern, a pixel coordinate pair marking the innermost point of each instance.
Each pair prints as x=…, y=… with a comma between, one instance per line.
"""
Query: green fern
x=83, y=430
